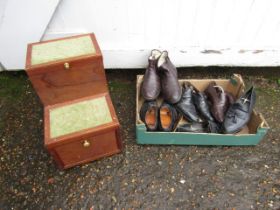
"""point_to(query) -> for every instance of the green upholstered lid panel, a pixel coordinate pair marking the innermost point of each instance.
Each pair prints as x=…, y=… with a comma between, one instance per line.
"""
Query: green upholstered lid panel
x=61, y=49
x=76, y=117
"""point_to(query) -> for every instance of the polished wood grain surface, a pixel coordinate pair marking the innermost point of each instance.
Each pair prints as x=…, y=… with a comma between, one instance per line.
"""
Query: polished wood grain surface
x=105, y=138
x=88, y=148
x=62, y=85
x=69, y=81
x=54, y=83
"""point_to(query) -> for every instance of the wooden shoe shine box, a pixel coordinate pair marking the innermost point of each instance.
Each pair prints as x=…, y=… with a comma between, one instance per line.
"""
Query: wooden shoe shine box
x=80, y=123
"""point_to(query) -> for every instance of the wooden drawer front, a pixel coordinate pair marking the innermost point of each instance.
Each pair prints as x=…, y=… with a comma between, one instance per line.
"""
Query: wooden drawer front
x=88, y=149
x=66, y=85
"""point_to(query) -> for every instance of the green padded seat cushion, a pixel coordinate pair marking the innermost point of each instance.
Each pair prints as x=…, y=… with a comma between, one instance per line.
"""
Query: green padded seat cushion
x=78, y=116
x=61, y=49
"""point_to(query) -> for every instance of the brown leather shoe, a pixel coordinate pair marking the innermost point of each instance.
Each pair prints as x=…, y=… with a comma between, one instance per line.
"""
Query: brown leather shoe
x=220, y=100
x=168, y=117
x=150, y=88
x=149, y=115
x=170, y=88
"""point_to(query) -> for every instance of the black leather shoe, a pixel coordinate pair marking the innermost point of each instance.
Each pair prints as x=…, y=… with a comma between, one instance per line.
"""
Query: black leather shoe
x=186, y=104
x=200, y=127
x=201, y=103
x=168, y=117
x=194, y=127
x=214, y=127
x=149, y=115
x=239, y=113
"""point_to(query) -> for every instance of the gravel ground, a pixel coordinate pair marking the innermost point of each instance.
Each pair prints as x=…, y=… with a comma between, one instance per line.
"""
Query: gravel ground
x=141, y=177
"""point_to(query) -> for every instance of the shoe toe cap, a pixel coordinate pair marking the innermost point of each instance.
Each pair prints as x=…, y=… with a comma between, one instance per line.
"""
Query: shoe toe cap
x=231, y=127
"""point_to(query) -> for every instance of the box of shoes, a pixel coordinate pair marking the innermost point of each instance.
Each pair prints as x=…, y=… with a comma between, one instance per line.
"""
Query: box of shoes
x=194, y=112
x=80, y=123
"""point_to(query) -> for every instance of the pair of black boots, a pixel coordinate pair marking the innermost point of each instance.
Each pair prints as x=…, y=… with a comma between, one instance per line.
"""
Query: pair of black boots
x=195, y=109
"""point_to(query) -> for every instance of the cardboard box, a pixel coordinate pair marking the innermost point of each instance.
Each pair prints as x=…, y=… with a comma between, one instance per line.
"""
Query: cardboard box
x=249, y=135
x=79, y=119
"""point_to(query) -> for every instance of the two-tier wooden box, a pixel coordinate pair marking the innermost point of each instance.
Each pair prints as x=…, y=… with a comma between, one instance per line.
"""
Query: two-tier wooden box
x=79, y=119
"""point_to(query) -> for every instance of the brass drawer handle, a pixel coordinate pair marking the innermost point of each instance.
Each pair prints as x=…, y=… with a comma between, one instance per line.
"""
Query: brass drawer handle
x=86, y=143
x=66, y=66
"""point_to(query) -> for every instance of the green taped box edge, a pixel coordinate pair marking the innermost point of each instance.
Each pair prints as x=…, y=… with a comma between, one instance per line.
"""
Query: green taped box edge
x=173, y=138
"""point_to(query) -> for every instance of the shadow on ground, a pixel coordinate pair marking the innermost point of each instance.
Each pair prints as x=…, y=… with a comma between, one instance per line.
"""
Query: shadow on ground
x=141, y=177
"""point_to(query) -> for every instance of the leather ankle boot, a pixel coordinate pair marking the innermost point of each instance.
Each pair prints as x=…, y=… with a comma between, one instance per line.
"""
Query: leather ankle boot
x=186, y=104
x=170, y=88
x=168, y=117
x=150, y=88
x=240, y=112
x=149, y=115
x=220, y=101
x=201, y=103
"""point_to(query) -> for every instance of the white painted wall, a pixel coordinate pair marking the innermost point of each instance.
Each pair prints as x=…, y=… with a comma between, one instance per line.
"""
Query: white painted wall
x=22, y=22
x=195, y=32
